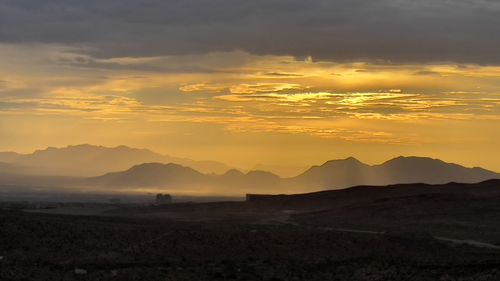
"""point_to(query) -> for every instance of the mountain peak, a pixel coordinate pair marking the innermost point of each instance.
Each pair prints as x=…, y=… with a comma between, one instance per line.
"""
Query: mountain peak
x=352, y=159
x=258, y=173
x=233, y=173
x=82, y=145
x=76, y=147
x=348, y=160
x=413, y=159
x=156, y=165
x=125, y=148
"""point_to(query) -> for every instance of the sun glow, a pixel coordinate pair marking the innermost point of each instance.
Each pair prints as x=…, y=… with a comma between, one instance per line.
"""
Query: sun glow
x=262, y=97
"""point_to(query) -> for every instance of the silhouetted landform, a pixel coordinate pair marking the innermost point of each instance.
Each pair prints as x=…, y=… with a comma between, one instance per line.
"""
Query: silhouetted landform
x=90, y=160
x=185, y=180
x=400, y=232
x=179, y=178
x=331, y=175
x=351, y=172
x=261, y=197
x=362, y=194
x=455, y=210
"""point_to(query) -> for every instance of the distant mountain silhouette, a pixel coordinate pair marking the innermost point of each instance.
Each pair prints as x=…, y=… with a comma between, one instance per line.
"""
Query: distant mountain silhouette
x=103, y=168
x=89, y=160
x=335, y=174
x=177, y=177
x=432, y=171
x=351, y=172
x=150, y=175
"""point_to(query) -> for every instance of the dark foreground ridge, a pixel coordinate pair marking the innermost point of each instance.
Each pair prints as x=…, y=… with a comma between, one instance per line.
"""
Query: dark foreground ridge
x=400, y=232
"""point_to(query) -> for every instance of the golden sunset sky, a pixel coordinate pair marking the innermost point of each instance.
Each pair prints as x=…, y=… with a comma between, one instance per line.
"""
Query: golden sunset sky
x=277, y=83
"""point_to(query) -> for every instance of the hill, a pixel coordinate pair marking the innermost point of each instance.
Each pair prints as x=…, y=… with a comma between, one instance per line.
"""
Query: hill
x=177, y=178
x=351, y=172
x=456, y=210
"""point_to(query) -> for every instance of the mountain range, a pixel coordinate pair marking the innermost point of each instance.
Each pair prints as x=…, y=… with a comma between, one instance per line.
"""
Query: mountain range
x=335, y=174
x=351, y=172
x=177, y=178
x=89, y=167
x=90, y=160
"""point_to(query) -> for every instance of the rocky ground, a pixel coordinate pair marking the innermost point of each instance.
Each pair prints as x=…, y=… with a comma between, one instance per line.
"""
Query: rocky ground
x=58, y=247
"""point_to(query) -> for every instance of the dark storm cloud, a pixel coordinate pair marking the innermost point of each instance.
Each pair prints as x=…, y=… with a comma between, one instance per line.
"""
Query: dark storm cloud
x=389, y=30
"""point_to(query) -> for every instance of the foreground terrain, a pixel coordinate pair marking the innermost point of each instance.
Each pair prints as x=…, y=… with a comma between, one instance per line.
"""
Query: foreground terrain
x=402, y=232
x=55, y=247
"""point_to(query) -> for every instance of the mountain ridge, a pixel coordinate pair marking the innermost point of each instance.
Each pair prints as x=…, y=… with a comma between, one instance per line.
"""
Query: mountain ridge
x=86, y=160
x=333, y=174
x=176, y=176
x=136, y=168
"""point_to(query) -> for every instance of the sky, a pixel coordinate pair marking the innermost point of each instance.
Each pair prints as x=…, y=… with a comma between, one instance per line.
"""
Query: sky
x=247, y=82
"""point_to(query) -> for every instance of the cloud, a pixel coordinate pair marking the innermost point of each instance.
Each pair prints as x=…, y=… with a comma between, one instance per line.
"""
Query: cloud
x=358, y=102
x=332, y=133
x=51, y=79
x=338, y=30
